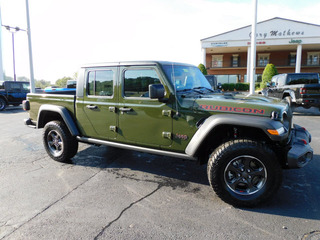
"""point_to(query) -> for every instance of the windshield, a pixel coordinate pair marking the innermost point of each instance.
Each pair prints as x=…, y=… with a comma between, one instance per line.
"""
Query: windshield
x=186, y=77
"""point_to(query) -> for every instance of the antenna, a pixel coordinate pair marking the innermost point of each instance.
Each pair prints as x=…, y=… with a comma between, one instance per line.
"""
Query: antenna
x=175, y=89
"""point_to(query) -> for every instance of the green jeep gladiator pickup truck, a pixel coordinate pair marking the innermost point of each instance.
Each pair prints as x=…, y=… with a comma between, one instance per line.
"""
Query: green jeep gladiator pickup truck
x=170, y=109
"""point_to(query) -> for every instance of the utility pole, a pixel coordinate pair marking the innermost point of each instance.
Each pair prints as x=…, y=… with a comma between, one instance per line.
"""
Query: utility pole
x=253, y=49
x=32, y=83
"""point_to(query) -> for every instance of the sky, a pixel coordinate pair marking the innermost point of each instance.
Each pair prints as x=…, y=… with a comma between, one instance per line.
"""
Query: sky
x=69, y=33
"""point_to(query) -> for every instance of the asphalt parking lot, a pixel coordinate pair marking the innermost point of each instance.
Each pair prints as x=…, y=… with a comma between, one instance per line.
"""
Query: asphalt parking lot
x=107, y=193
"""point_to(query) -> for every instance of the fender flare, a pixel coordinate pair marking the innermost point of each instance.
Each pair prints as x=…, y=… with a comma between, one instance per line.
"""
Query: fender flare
x=4, y=98
x=63, y=112
x=291, y=94
x=214, y=121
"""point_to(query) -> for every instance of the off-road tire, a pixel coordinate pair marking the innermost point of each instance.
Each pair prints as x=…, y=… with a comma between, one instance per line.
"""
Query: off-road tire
x=244, y=173
x=3, y=104
x=58, y=142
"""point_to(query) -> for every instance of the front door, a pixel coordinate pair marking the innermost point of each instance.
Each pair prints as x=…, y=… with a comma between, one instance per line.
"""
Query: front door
x=99, y=103
x=142, y=120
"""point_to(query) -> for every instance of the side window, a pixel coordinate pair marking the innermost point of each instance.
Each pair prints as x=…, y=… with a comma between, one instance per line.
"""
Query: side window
x=137, y=81
x=100, y=83
x=14, y=86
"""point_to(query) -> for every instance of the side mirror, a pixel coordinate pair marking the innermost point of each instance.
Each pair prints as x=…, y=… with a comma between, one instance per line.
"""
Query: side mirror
x=268, y=85
x=156, y=91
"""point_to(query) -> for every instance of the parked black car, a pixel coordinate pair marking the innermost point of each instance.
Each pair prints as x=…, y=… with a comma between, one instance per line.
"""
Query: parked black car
x=299, y=89
x=13, y=93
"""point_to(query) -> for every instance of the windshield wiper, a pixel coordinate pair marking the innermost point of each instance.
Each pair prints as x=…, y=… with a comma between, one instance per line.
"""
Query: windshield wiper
x=204, y=88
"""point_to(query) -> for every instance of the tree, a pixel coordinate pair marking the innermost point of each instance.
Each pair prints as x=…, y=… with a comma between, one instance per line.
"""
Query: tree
x=42, y=84
x=268, y=72
x=202, y=69
x=62, y=82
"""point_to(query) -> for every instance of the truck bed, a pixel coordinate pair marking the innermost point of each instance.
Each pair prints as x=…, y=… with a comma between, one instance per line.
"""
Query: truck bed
x=37, y=100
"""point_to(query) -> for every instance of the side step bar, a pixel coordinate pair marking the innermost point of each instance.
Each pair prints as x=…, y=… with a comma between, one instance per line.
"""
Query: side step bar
x=136, y=148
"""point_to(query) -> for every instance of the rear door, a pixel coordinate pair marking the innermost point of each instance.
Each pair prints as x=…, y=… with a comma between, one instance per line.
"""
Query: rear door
x=14, y=92
x=99, y=103
x=142, y=121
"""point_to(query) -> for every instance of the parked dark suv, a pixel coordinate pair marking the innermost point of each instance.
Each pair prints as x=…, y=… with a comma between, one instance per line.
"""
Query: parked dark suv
x=13, y=93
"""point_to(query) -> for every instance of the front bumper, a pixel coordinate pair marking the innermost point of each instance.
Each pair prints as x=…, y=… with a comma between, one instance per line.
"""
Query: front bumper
x=300, y=152
x=308, y=102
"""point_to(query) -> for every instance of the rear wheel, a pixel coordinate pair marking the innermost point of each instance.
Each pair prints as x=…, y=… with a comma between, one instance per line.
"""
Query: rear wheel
x=58, y=142
x=244, y=173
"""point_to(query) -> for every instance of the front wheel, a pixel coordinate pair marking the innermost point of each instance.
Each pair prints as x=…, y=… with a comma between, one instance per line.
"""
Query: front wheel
x=58, y=142
x=3, y=104
x=244, y=173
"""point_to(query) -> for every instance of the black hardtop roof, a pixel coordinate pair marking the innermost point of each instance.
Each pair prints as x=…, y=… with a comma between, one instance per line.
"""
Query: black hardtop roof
x=133, y=63
x=307, y=73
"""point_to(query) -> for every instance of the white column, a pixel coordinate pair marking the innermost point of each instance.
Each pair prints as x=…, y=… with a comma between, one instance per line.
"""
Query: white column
x=204, y=57
x=1, y=63
x=248, y=64
x=298, y=58
x=253, y=48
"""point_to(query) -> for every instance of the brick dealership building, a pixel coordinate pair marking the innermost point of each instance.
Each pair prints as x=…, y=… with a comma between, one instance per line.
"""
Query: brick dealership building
x=290, y=45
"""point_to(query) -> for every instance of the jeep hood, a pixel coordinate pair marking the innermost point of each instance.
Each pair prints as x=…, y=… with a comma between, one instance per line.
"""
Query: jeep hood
x=240, y=104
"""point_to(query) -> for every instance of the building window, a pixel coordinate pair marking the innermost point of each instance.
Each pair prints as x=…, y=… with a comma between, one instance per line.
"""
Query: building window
x=263, y=59
x=292, y=59
x=217, y=60
x=235, y=60
x=313, y=58
x=257, y=78
x=227, y=78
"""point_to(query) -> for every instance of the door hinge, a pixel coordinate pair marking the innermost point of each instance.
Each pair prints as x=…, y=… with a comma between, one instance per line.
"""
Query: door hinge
x=166, y=113
x=167, y=135
x=113, y=128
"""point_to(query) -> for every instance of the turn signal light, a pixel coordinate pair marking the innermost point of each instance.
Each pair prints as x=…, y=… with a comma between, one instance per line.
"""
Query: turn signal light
x=276, y=132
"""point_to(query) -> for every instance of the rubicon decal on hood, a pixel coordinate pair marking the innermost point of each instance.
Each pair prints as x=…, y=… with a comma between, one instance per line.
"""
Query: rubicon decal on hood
x=232, y=109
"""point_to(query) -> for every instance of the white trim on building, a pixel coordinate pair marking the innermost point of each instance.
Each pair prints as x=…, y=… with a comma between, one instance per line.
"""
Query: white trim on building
x=271, y=35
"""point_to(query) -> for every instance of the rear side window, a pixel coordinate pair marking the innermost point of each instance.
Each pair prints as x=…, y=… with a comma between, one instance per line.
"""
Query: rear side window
x=303, y=79
x=14, y=86
x=137, y=81
x=100, y=83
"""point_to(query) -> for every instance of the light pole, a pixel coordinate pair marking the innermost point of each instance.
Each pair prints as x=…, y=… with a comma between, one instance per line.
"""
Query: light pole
x=252, y=72
x=13, y=30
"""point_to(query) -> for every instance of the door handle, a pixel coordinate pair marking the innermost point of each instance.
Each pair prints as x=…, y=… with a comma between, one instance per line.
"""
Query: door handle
x=123, y=109
x=91, y=106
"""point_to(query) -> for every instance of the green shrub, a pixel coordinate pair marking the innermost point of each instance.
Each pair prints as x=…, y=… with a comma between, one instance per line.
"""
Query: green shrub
x=202, y=69
x=268, y=72
x=242, y=86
